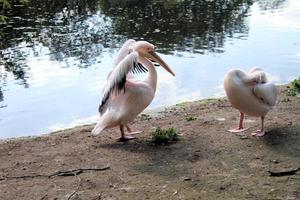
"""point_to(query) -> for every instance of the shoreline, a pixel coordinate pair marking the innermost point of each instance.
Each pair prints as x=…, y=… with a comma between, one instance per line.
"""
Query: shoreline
x=152, y=112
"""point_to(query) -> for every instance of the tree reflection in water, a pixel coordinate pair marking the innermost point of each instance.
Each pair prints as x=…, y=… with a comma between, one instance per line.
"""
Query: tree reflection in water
x=81, y=30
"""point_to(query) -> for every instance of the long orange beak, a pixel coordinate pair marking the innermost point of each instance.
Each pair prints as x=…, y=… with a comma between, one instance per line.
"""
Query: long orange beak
x=153, y=56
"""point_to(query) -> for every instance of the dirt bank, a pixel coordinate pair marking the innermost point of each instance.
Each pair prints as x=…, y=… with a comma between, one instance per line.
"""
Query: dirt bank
x=206, y=163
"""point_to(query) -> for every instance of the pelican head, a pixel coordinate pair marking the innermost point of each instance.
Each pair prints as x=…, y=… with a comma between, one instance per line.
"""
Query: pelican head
x=266, y=92
x=147, y=50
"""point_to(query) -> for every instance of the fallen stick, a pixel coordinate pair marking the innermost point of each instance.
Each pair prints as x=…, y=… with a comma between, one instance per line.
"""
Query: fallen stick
x=75, y=172
x=284, y=173
x=72, y=172
x=23, y=176
x=224, y=106
x=75, y=192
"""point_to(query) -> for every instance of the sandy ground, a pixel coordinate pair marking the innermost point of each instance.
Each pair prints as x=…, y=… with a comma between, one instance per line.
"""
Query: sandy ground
x=206, y=163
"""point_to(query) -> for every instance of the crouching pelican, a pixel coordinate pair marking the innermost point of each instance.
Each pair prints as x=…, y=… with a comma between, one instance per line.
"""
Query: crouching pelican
x=251, y=94
x=124, y=97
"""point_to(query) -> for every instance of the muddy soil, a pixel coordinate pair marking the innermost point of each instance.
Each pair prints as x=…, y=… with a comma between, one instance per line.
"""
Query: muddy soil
x=207, y=162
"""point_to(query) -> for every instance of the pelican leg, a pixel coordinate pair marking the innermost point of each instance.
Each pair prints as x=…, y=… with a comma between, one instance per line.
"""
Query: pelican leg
x=240, y=128
x=130, y=131
x=124, y=137
x=261, y=132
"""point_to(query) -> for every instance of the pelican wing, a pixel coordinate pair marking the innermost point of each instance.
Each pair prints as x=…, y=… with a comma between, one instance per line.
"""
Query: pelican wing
x=125, y=50
x=117, y=78
x=255, y=76
x=262, y=90
x=266, y=92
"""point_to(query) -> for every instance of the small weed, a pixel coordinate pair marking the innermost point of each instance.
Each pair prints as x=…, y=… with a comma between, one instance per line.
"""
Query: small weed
x=164, y=136
x=206, y=101
x=285, y=100
x=183, y=105
x=190, y=118
x=145, y=116
x=295, y=88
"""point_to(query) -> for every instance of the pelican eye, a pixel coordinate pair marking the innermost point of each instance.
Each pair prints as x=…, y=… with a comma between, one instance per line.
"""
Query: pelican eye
x=262, y=99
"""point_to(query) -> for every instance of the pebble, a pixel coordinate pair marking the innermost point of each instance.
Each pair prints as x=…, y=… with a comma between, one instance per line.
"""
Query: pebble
x=275, y=161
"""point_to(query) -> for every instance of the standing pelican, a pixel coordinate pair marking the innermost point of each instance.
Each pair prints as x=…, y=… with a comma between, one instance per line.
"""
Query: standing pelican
x=124, y=97
x=251, y=94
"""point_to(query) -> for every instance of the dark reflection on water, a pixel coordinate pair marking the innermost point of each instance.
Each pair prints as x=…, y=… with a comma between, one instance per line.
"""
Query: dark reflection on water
x=84, y=29
x=58, y=25
x=271, y=5
x=194, y=26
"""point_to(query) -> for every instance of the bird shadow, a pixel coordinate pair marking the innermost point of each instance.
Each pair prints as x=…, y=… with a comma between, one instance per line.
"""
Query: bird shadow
x=163, y=160
x=284, y=140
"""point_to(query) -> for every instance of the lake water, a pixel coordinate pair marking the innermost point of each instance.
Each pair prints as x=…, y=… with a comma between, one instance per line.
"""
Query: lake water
x=55, y=55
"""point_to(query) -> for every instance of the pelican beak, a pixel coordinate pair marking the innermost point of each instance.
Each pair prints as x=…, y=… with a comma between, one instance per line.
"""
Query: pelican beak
x=153, y=56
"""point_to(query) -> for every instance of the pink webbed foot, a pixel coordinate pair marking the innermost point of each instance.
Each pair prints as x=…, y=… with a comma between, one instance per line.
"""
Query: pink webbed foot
x=237, y=130
x=134, y=133
x=130, y=131
x=126, y=138
x=129, y=135
x=240, y=128
x=258, y=133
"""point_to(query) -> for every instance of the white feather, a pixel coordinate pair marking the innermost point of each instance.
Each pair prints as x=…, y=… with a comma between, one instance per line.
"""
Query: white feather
x=118, y=74
x=124, y=50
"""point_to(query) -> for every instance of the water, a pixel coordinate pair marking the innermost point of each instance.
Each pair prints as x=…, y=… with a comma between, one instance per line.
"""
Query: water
x=55, y=55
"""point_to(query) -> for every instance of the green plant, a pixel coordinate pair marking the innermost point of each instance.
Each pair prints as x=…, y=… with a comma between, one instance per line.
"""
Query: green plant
x=295, y=87
x=182, y=104
x=144, y=116
x=164, y=136
x=4, y=4
x=190, y=118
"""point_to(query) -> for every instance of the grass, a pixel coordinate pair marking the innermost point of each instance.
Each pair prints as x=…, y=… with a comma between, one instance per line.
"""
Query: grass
x=182, y=105
x=144, y=116
x=164, y=136
x=190, y=118
x=295, y=87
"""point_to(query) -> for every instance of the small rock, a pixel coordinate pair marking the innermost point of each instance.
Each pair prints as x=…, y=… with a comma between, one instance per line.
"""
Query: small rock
x=275, y=161
x=243, y=137
x=222, y=188
x=187, y=179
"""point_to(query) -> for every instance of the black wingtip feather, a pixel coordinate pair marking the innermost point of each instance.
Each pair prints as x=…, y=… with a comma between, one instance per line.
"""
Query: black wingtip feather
x=138, y=68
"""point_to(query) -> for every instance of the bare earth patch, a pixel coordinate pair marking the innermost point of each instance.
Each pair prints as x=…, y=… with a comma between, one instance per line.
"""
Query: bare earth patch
x=207, y=162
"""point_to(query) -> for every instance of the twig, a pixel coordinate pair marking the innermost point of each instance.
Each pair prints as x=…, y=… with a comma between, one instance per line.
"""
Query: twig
x=44, y=197
x=75, y=192
x=75, y=172
x=284, y=173
x=23, y=176
x=224, y=106
x=72, y=172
